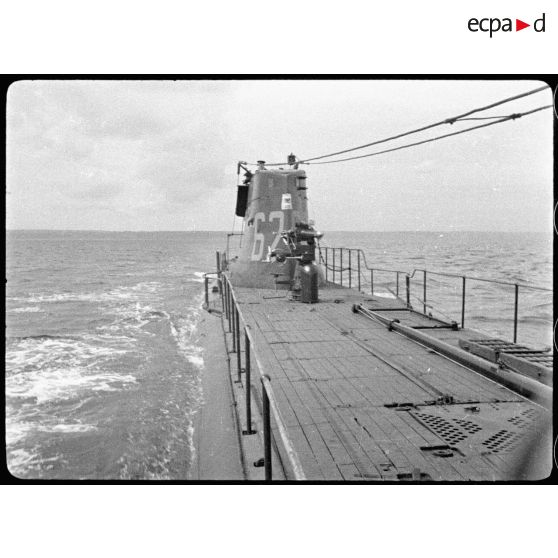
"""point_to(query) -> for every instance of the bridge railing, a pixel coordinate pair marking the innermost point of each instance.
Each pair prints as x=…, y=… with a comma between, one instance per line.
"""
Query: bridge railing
x=348, y=267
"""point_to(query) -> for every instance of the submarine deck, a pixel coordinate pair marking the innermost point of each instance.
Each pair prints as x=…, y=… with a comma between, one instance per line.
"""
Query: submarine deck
x=361, y=402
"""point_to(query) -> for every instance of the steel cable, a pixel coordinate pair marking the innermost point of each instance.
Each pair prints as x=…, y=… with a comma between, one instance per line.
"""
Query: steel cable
x=504, y=119
x=451, y=120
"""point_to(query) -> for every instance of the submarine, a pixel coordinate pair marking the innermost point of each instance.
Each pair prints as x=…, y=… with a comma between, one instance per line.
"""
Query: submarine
x=313, y=375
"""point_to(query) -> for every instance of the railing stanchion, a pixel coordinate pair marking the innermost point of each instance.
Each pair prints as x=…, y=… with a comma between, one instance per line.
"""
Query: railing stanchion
x=372, y=282
x=408, y=288
x=333, y=265
x=237, y=329
x=424, y=293
x=218, y=261
x=267, y=433
x=358, y=270
x=229, y=306
x=463, y=304
x=233, y=316
x=248, y=387
x=224, y=294
x=206, y=291
x=515, y=313
x=341, y=264
x=326, y=251
x=350, y=269
x=397, y=283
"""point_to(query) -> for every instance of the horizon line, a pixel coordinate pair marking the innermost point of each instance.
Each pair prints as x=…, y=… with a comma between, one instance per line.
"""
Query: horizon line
x=325, y=233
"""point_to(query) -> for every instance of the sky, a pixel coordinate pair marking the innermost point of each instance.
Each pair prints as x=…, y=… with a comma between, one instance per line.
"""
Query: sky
x=161, y=155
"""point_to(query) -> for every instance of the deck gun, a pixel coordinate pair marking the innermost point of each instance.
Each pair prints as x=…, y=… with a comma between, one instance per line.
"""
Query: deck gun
x=300, y=242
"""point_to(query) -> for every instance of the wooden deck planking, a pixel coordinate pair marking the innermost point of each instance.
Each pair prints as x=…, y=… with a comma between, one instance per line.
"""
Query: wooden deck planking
x=301, y=411
x=449, y=377
x=305, y=453
x=322, y=454
x=331, y=382
x=340, y=447
x=371, y=454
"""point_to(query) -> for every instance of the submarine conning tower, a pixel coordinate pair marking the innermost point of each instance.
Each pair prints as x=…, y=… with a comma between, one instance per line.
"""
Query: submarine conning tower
x=277, y=233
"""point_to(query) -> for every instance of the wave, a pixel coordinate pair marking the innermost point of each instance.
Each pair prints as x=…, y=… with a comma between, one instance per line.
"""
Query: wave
x=116, y=294
x=543, y=318
x=46, y=336
x=18, y=429
x=541, y=305
x=185, y=335
x=133, y=317
x=383, y=294
x=25, y=310
x=23, y=461
x=47, y=352
x=198, y=277
x=56, y=384
x=184, y=332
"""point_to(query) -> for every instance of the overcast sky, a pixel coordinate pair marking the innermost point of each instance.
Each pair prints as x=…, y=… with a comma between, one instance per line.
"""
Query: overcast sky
x=161, y=155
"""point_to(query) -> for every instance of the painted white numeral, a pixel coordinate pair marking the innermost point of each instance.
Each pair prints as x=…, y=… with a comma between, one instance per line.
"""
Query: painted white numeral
x=274, y=216
x=259, y=238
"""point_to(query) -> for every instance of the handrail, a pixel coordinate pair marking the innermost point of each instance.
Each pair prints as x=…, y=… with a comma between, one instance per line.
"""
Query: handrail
x=496, y=281
x=361, y=256
x=230, y=304
x=422, y=270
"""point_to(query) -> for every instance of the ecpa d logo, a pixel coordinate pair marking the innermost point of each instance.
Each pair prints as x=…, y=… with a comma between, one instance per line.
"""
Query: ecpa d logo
x=492, y=25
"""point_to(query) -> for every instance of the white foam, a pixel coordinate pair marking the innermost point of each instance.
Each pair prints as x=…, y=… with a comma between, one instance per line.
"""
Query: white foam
x=198, y=277
x=67, y=428
x=133, y=316
x=25, y=310
x=21, y=461
x=63, y=383
x=384, y=295
x=119, y=293
x=185, y=331
x=113, y=339
x=19, y=427
x=16, y=430
x=45, y=352
x=185, y=334
x=191, y=445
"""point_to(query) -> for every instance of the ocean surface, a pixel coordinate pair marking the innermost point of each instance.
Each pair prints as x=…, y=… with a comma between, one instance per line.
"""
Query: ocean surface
x=103, y=361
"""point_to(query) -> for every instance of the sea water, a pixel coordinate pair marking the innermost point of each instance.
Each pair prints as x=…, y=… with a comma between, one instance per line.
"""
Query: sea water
x=103, y=360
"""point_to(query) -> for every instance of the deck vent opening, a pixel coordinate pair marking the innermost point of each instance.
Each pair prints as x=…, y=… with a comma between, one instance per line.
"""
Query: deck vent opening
x=502, y=441
x=525, y=419
x=468, y=425
x=443, y=428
